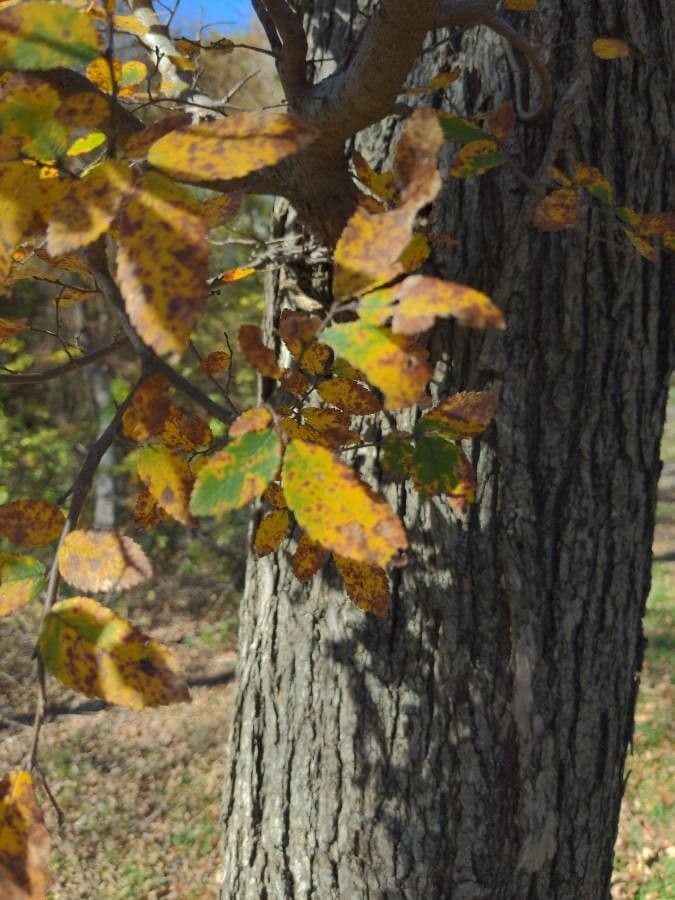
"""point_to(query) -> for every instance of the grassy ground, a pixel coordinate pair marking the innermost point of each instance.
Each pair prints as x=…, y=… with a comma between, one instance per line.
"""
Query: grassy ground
x=141, y=791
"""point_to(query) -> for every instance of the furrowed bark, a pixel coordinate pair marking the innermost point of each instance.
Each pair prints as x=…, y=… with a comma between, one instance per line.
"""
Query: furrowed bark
x=472, y=745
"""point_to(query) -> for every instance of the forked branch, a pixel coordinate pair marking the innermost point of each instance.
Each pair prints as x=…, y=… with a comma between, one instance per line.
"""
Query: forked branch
x=283, y=27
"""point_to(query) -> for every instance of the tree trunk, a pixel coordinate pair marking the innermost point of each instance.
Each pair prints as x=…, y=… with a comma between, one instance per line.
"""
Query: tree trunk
x=472, y=745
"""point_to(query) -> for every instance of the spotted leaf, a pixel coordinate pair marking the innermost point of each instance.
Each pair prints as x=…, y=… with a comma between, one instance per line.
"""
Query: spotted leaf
x=21, y=580
x=271, y=531
x=102, y=561
x=30, y=523
x=366, y=585
x=24, y=841
x=168, y=479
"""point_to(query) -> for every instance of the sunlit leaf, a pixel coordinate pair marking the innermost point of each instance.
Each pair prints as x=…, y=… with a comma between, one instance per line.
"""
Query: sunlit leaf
x=24, y=841
x=169, y=480
x=87, y=143
x=434, y=461
x=391, y=362
x=422, y=299
x=308, y=558
x=97, y=653
x=235, y=476
x=37, y=34
x=88, y=207
x=256, y=352
x=102, y=561
x=476, y=158
x=236, y=274
x=30, y=523
x=21, y=580
x=271, y=531
x=350, y=396
x=559, y=210
x=230, y=148
x=138, y=144
x=255, y=419
x=366, y=585
x=337, y=509
x=610, y=48
x=148, y=410
x=162, y=263
x=464, y=415
x=19, y=195
x=380, y=183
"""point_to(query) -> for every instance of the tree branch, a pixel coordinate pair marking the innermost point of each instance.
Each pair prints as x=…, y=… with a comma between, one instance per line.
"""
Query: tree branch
x=73, y=365
x=290, y=44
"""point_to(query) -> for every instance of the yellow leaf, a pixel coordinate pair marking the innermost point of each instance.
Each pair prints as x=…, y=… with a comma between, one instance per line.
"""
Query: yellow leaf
x=422, y=299
x=102, y=561
x=308, y=558
x=610, y=48
x=391, y=362
x=317, y=359
x=235, y=274
x=87, y=143
x=366, y=585
x=97, y=653
x=21, y=580
x=476, y=158
x=30, y=523
x=24, y=841
x=169, y=480
x=230, y=148
x=87, y=208
x=19, y=195
x=130, y=25
x=271, y=531
x=643, y=247
x=559, y=210
x=380, y=183
x=417, y=252
x=146, y=414
x=162, y=263
x=337, y=509
x=138, y=144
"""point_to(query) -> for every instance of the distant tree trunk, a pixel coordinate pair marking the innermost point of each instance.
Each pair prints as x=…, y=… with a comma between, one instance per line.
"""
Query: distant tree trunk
x=104, y=480
x=472, y=745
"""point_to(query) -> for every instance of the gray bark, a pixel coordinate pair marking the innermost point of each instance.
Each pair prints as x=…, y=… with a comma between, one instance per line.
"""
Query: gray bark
x=472, y=745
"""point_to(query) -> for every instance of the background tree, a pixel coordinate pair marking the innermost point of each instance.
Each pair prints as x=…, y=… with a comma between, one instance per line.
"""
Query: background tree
x=471, y=742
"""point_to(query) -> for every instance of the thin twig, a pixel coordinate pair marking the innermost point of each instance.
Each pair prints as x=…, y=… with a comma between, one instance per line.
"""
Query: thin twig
x=73, y=365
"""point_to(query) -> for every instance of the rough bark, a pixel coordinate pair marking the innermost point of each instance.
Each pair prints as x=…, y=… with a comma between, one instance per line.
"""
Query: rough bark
x=472, y=745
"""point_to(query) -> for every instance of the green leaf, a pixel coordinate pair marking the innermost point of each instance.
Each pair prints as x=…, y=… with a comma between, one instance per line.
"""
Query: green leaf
x=397, y=455
x=21, y=580
x=459, y=130
x=238, y=474
x=433, y=466
x=39, y=35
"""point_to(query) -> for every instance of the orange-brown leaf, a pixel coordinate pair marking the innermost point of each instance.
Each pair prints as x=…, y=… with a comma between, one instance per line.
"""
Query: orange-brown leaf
x=297, y=330
x=271, y=531
x=366, y=585
x=464, y=415
x=308, y=558
x=349, y=396
x=257, y=353
x=146, y=414
x=11, y=327
x=216, y=361
x=102, y=561
x=147, y=512
x=422, y=299
x=317, y=359
x=30, y=523
x=185, y=432
x=463, y=493
x=559, y=210
x=251, y=420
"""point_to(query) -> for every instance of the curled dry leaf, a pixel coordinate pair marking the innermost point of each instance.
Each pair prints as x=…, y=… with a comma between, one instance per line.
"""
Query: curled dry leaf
x=30, y=523
x=102, y=561
x=464, y=415
x=271, y=531
x=235, y=476
x=337, y=509
x=422, y=299
x=415, y=158
x=308, y=558
x=24, y=841
x=21, y=580
x=230, y=148
x=97, y=653
x=366, y=585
